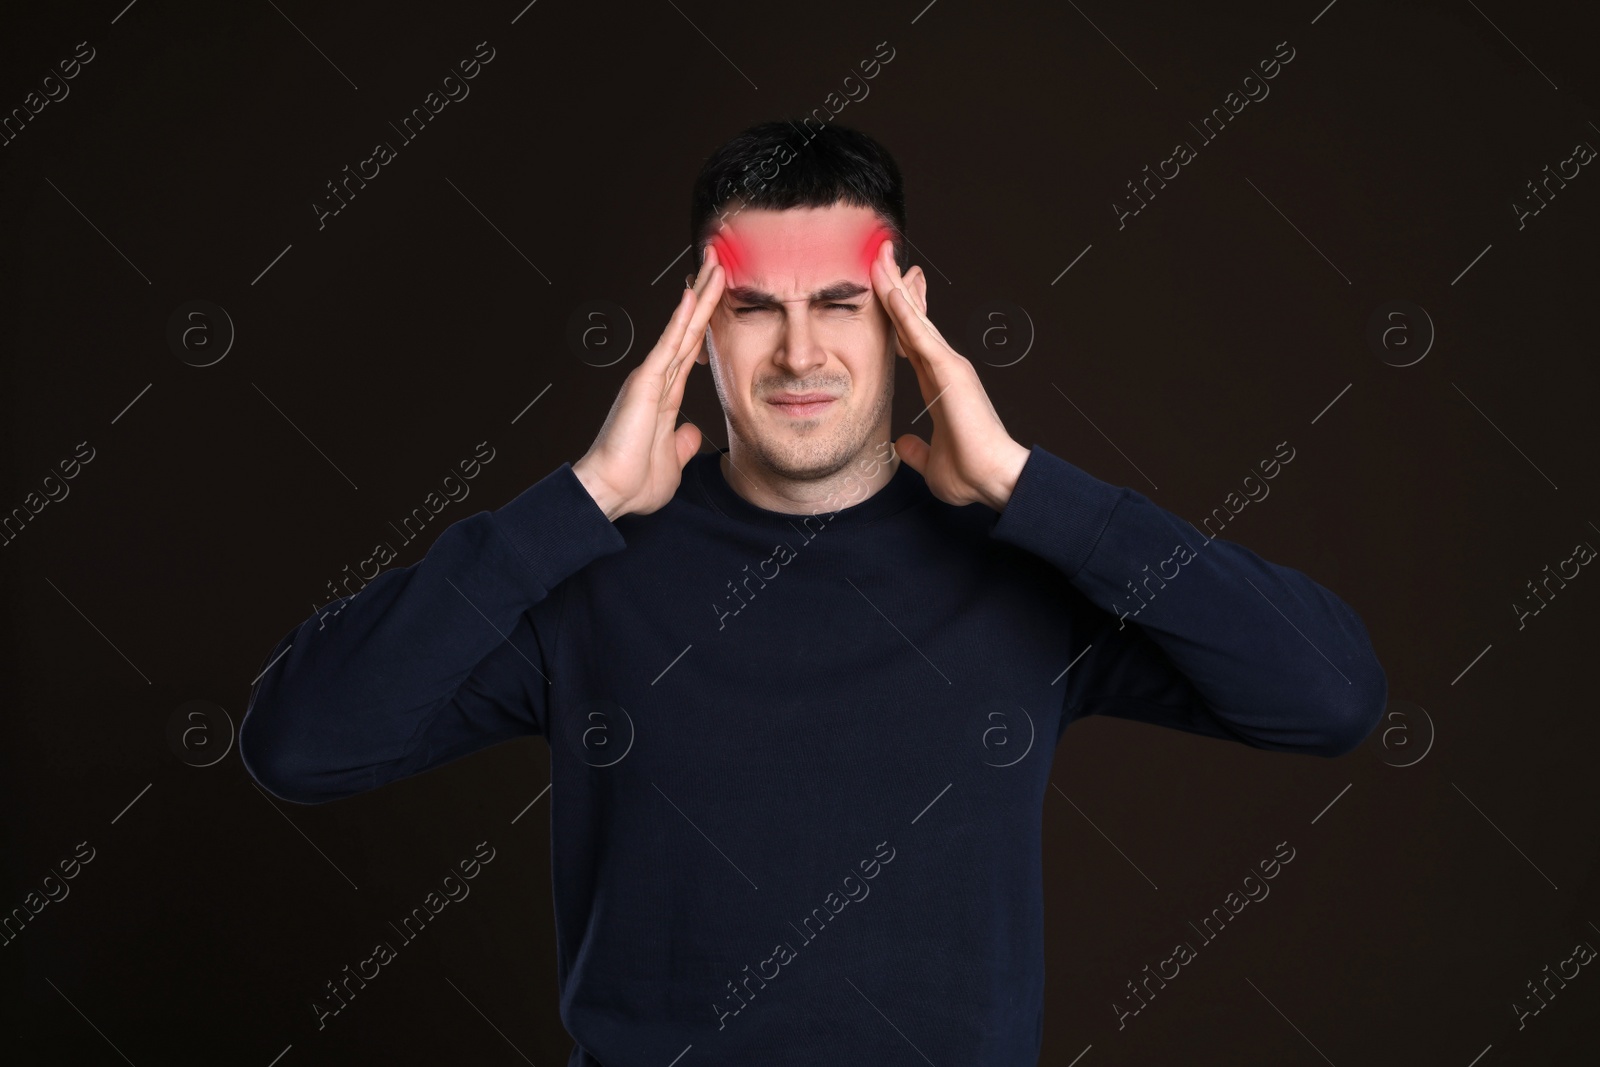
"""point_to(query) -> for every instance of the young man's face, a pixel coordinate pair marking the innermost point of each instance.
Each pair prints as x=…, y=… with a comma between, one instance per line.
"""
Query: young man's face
x=799, y=316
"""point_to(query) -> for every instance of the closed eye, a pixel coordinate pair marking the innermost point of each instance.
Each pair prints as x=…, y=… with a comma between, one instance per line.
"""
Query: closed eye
x=758, y=307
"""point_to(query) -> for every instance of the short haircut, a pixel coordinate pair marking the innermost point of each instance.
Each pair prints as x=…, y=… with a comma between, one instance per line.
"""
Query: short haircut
x=774, y=165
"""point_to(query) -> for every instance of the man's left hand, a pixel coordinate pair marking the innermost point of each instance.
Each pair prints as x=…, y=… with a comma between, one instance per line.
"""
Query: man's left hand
x=972, y=459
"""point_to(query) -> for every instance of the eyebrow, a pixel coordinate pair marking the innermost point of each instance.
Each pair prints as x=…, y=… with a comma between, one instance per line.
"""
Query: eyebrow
x=841, y=290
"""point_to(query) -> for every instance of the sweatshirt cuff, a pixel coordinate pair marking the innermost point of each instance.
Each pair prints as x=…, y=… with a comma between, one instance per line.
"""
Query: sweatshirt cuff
x=556, y=527
x=1057, y=511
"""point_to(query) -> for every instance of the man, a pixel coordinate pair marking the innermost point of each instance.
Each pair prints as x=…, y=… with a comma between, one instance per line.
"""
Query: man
x=802, y=695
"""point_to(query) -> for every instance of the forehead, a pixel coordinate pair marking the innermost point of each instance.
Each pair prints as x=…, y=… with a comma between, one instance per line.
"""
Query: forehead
x=799, y=247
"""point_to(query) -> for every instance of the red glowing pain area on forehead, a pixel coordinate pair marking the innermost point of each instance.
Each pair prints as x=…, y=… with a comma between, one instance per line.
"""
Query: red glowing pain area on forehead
x=744, y=257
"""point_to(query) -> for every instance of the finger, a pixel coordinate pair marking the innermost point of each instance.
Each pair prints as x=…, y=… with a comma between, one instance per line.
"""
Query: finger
x=672, y=337
x=686, y=439
x=694, y=338
x=708, y=260
x=884, y=273
x=919, y=337
x=886, y=257
x=896, y=280
x=706, y=303
x=927, y=386
x=914, y=451
x=915, y=332
x=707, y=268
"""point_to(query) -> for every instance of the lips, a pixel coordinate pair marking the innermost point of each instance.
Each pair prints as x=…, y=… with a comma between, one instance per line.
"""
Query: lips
x=801, y=404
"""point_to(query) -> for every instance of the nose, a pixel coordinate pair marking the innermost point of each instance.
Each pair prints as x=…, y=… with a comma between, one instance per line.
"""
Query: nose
x=799, y=350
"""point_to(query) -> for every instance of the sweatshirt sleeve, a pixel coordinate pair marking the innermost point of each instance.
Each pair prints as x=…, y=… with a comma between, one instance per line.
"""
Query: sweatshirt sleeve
x=427, y=663
x=1197, y=633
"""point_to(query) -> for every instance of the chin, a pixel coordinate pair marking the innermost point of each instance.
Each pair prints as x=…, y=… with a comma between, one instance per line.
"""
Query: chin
x=807, y=458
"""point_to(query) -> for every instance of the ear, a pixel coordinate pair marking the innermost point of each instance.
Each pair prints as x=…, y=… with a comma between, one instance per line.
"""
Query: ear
x=702, y=355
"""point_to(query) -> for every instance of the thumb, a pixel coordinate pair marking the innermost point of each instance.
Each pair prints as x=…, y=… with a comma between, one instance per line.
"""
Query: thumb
x=914, y=450
x=687, y=439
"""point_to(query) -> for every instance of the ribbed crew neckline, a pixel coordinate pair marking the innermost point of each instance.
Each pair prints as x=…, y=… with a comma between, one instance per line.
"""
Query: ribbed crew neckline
x=904, y=487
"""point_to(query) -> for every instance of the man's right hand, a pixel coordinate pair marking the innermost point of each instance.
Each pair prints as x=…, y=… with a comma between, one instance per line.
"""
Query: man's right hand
x=637, y=460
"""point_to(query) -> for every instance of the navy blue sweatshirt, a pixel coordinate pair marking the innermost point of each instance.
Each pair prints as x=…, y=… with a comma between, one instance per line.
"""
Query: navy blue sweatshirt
x=799, y=763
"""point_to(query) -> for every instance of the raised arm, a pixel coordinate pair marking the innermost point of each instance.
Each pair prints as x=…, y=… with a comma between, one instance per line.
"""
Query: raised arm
x=425, y=663
x=1200, y=634
x=429, y=662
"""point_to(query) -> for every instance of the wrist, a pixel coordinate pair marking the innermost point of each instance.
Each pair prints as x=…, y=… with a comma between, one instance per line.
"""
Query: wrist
x=1010, y=472
x=598, y=491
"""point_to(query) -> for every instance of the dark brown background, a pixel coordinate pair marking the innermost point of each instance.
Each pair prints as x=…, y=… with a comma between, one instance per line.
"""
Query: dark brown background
x=1195, y=339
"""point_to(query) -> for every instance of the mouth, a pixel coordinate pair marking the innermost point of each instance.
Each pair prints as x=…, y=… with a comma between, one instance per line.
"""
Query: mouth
x=801, y=405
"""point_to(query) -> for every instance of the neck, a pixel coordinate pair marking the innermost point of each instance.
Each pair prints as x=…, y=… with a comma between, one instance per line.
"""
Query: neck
x=856, y=481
